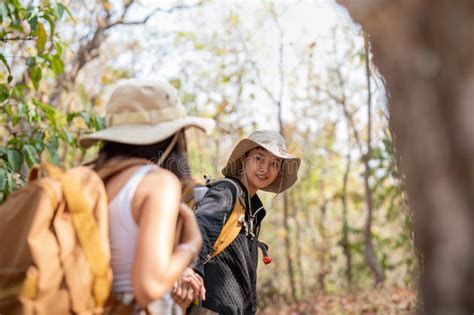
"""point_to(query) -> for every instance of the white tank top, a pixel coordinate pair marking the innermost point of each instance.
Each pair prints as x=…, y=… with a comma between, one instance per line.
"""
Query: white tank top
x=123, y=231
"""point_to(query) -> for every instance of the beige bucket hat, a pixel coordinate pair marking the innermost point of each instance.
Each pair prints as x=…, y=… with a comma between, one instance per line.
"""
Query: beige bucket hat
x=273, y=142
x=142, y=112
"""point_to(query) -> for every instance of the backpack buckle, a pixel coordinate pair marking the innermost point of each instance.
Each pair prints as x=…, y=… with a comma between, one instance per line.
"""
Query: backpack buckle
x=208, y=179
x=208, y=258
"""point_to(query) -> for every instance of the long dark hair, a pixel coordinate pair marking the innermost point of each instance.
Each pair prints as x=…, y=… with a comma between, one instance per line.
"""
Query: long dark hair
x=176, y=161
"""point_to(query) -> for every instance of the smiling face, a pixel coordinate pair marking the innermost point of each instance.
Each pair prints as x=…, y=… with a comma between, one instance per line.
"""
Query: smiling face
x=261, y=169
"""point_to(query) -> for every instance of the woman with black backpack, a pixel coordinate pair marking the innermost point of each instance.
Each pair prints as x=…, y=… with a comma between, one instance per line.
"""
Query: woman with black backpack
x=259, y=162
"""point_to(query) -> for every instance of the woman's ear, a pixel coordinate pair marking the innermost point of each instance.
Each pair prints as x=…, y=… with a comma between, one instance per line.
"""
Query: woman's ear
x=241, y=168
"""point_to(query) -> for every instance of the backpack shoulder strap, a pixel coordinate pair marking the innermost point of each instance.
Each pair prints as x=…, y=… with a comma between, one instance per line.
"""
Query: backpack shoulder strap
x=240, y=193
x=233, y=225
x=230, y=230
x=87, y=231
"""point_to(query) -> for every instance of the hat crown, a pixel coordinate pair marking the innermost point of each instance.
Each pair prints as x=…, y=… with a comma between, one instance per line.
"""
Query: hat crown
x=269, y=139
x=143, y=112
x=139, y=102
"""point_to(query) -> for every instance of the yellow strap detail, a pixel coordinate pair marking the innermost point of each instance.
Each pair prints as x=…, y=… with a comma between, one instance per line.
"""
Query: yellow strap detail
x=30, y=285
x=87, y=232
x=230, y=230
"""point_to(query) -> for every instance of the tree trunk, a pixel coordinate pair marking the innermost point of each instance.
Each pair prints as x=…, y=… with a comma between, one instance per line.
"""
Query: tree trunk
x=298, y=242
x=286, y=225
x=323, y=245
x=324, y=268
x=425, y=49
x=369, y=251
x=345, y=225
x=278, y=102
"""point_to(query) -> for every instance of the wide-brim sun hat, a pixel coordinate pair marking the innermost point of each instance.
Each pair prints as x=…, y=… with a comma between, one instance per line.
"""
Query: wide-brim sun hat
x=142, y=112
x=273, y=142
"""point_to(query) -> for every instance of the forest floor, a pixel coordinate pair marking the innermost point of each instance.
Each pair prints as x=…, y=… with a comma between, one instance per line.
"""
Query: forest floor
x=383, y=301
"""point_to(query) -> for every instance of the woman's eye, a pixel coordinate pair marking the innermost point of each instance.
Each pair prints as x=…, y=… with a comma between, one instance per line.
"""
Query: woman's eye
x=258, y=158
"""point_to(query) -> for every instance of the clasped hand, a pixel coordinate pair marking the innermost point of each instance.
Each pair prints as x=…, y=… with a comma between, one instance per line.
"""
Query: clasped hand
x=188, y=287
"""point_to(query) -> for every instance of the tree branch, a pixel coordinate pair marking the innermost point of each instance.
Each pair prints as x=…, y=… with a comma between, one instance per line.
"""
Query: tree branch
x=121, y=21
x=6, y=39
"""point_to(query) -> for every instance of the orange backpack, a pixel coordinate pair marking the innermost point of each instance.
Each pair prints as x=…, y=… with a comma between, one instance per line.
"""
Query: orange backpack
x=55, y=252
x=54, y=257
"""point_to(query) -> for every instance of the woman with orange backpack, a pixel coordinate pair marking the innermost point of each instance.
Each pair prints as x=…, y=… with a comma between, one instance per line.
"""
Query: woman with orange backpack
x=144, y=138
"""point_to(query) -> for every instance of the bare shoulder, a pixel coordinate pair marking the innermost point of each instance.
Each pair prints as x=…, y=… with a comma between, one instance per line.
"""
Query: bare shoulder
x=160, y=186
x=161, y=178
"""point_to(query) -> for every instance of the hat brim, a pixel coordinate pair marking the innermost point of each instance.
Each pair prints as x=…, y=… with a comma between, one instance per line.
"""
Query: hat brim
x=146, y=134
x=288, y=174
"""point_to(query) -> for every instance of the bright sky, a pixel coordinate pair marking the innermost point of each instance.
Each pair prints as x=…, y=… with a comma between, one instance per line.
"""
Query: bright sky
x=321, y=22
x=302, y=22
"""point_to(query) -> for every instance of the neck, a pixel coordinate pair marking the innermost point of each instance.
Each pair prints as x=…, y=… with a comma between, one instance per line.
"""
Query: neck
x=251, y=189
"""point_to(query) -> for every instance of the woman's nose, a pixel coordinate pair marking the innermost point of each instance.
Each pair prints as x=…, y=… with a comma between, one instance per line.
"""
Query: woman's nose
x=264, y=167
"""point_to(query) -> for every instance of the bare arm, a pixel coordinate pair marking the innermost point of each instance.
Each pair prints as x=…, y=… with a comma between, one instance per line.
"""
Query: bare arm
x=157, y=263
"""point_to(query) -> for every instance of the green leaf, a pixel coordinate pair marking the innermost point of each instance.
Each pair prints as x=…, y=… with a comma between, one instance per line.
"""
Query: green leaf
x=30, y=154
x=31, y=62
x=59, y=49
x=14, y=159
x=52, y=27
x=33, y=20
x=57, y=64
x=42, y=36
x=4, y=93
x=4, y=61
x=19, y=90
x=48, y=110
x=35, y=76
x=59, y=10
x=3, y=179
x=11, y=183
x=16, y=142
x=70, y=117
x=69, y=13
x=20, y=108
x=99, y=123
x=32, y=113
x=38, y=142
x=68, y=136
x=52, y=146
x=87, y=118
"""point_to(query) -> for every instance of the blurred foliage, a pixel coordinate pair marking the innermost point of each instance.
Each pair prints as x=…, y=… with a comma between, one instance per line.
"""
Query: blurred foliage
x=31, y=54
